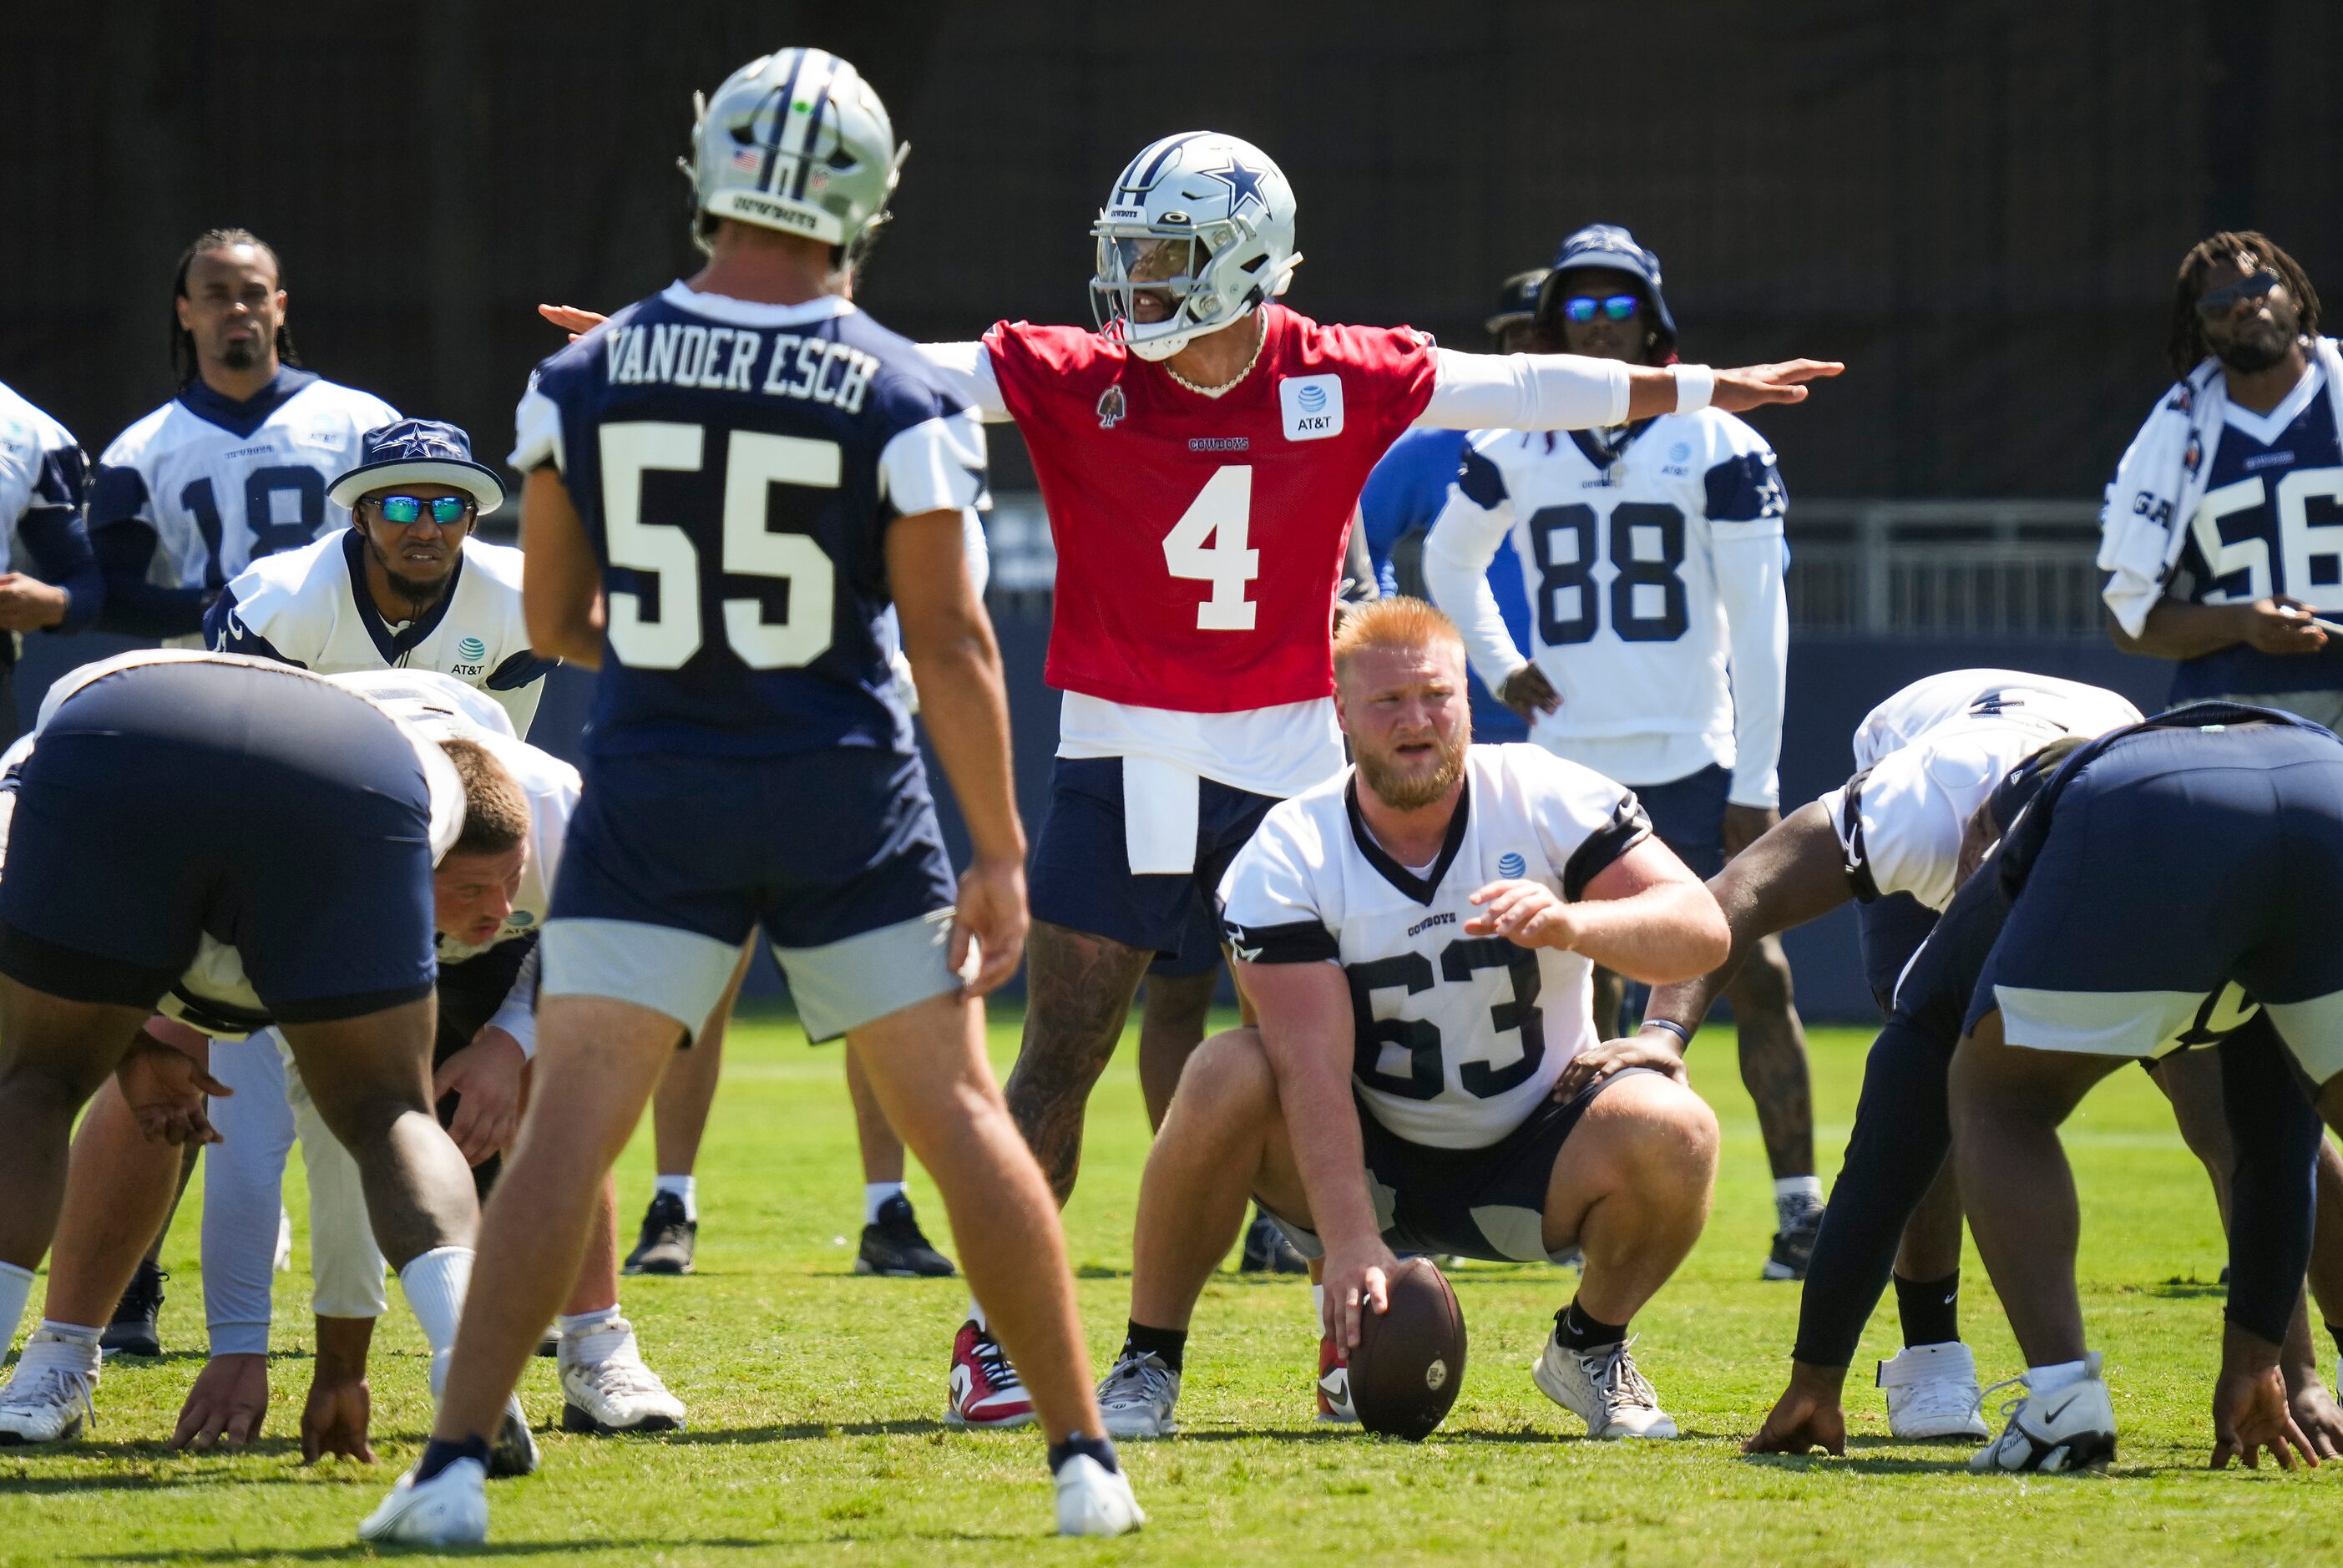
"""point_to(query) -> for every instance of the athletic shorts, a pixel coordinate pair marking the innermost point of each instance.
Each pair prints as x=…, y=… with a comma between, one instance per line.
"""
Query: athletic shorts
x=1487, y=1202
x=2177, y=869
x=672, y=862
x=1200, y=944
x=1082, y=877
x=287, y=819
x=1688, y=816
x=1888, y=932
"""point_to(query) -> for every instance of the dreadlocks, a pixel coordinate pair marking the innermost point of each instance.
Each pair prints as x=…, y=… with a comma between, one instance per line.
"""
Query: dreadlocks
x=183, y=343
x=2184, y=342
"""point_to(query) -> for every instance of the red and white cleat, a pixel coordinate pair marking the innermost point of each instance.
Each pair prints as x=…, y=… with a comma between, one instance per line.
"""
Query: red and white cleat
x=985, y=1390
x=1335, y=1385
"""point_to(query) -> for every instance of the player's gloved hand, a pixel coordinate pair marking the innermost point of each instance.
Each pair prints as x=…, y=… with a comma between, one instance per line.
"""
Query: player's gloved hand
x=992, y=912
x=2278, y=625
x=1755, y=385
x=1529, y=693
x=1744, y=825
x=2249, y=1414
x=165, y=1088
x=485, y=1075
x=1525, y=913
x=1807, y=1416
x=29, y=604
x=2319, y=1417
x=1357, y=1281
x=1654, y=1048
x=226, y=1405
x=572, y=319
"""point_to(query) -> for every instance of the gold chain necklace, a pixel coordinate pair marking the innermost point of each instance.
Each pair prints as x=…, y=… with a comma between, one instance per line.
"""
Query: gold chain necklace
x=1260, y=336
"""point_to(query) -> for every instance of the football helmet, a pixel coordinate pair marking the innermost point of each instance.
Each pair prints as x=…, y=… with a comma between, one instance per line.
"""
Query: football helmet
x=796, y=141
x=1205, y=218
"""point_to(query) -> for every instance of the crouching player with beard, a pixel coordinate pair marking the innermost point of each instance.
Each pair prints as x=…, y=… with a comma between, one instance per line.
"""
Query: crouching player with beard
x=1418, y=935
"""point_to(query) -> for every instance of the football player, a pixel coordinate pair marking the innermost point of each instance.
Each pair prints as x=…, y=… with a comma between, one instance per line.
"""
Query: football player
x=1659, y=644
x=727, y=482
x=42, y=476
x=163, y=797
x=1193, y=652
x=237, y=464
x=2213, y=522
x=406, y=586
x=1417, y=934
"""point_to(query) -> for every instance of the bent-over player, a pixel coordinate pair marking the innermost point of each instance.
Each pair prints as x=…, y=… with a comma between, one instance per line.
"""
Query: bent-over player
x=1417, y=935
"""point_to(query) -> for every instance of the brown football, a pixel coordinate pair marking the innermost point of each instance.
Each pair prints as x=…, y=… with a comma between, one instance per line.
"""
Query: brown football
x=1410, y=1360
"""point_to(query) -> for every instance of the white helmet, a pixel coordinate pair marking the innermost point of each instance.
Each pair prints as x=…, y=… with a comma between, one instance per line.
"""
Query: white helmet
x=794, y=141
x=1204, y=218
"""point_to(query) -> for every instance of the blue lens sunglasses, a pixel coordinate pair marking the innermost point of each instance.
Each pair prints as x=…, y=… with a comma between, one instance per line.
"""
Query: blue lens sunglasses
x=1580, y=307
x=406, y=510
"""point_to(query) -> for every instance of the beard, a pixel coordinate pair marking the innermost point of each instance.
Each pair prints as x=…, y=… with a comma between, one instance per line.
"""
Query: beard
x=417, y=591
x=240, y=353
x=2250, y=355
x=1406, y=792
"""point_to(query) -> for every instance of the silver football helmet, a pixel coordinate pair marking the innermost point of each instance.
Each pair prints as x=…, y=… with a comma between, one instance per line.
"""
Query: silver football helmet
x=1202, y=218
x=794, y=141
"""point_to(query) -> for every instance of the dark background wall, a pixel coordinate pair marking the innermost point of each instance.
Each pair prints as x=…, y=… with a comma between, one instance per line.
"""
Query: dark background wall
x=1978, y=204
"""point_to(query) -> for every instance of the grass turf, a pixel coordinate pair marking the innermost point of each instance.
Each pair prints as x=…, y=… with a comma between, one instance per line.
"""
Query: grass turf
x=814, y=1395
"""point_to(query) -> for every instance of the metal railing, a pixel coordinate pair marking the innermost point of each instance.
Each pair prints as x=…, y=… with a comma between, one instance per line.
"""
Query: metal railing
x=2008, y=567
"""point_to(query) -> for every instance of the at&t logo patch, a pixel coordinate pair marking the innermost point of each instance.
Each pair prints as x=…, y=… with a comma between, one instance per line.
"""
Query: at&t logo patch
x=1312, y=406
x=1510, y=864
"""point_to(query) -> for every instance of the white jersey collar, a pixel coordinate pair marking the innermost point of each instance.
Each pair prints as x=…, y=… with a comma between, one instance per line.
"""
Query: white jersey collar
x=750, y=313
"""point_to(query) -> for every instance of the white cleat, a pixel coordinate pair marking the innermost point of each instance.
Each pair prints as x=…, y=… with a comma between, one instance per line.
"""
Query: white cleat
x=1932, y=1391
x=1136, y=1397
x=1603, y=1388
x=605, y=1387
x=2070, y=1428
x=1095, y=1500
x=47, y=1398
x=451, y=1509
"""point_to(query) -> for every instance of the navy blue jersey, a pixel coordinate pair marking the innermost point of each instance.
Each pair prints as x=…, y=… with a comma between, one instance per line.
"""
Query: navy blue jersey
x=2271, y=522
x=737, y=466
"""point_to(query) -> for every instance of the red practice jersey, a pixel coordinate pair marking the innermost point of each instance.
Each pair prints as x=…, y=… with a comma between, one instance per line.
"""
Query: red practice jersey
x=1200, y=539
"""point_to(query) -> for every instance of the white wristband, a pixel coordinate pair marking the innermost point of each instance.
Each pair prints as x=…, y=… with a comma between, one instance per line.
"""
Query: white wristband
x=1695, y=384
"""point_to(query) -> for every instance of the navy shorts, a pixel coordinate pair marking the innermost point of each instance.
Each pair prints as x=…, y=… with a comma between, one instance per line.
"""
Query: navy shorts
x=1487, y=1202
x=1688, y=816
x=2176, y=867
x=1888, y=932
x=283, y=817
x=1081, y=877
x=1200, y=945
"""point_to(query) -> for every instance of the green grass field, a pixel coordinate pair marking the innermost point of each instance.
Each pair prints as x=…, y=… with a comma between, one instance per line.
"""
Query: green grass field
x=815, y=1395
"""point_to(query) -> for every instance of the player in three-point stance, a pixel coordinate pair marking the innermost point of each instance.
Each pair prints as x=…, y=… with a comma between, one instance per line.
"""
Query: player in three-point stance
x=1659, y=641
x=1418, y=935
x=725, y=483
x=222, y=835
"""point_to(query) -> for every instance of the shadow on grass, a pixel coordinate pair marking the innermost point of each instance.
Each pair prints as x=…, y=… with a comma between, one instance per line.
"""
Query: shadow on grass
x=1860, y=1462
x=359, y=1552
x=2180, y=1290
x=809, y=1432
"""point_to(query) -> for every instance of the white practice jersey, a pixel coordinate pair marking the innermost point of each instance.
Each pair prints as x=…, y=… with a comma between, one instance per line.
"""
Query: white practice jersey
x=1928, y=756
x=1652, y=559
x=224, y=484
x=215, y=991
x=310, y=607
x=1459, y=1039
x=41, y=467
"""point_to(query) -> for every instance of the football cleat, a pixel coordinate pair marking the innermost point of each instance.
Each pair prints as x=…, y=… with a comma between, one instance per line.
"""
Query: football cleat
x=1793, y=1243
x=133, y=1332
x=668, y=1239
x=985, y=1389
x=451, y=1509
x=512, y=1450
x=606, y=1388
x=1095, y=1500
x=1267, y=1250
x=1335, y=1385
x=2069, y=1429
x=47, y=1399
x=548, y=1345
x=1136, y=1397
x=895, y=1247
x=1603, y=1387
x=1932, y=1391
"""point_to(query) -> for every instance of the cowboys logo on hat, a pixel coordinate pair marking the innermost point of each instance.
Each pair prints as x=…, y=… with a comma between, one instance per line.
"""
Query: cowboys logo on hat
x=419, y=452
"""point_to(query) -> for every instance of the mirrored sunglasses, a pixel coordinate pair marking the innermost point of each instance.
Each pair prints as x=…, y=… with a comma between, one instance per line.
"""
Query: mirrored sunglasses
x=446, y=510
x=1580, y=307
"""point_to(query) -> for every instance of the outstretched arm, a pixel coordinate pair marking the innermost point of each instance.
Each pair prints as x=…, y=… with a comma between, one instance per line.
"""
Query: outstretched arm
x=1572, y=392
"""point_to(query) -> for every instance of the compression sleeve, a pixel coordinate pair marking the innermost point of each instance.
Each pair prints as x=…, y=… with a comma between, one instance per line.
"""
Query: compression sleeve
x=243, y=1189
x=517, y=1016
x=965, y=370
x=1526, y=392
x=133, y=605
x=60, y=547
x=2273, y=1188
x=1464, y=539
x=1757, y=622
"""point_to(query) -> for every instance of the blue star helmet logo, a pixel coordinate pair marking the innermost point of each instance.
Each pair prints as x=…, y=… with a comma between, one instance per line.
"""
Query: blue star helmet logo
x=1243, y=182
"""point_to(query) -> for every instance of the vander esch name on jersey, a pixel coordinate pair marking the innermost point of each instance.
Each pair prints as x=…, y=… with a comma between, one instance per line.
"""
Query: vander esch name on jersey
x=726, y=360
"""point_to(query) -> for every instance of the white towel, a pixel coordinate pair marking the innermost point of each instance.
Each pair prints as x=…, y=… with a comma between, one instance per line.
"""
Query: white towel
x=1159, y=816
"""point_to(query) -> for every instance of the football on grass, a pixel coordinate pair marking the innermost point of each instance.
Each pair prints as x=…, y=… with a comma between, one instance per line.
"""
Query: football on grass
x=1410, y=1360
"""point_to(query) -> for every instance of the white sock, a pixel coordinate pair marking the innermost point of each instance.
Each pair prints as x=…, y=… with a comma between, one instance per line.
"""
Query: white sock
x=15, y=1290
x=434, y=1283
x=874, y=1197
x=1318, y=1308
x=2051, y=1379
x=976, y=1315
x=683, y=1187
x=1796, y=1192
x=80, y=1334
x=577, y=1324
